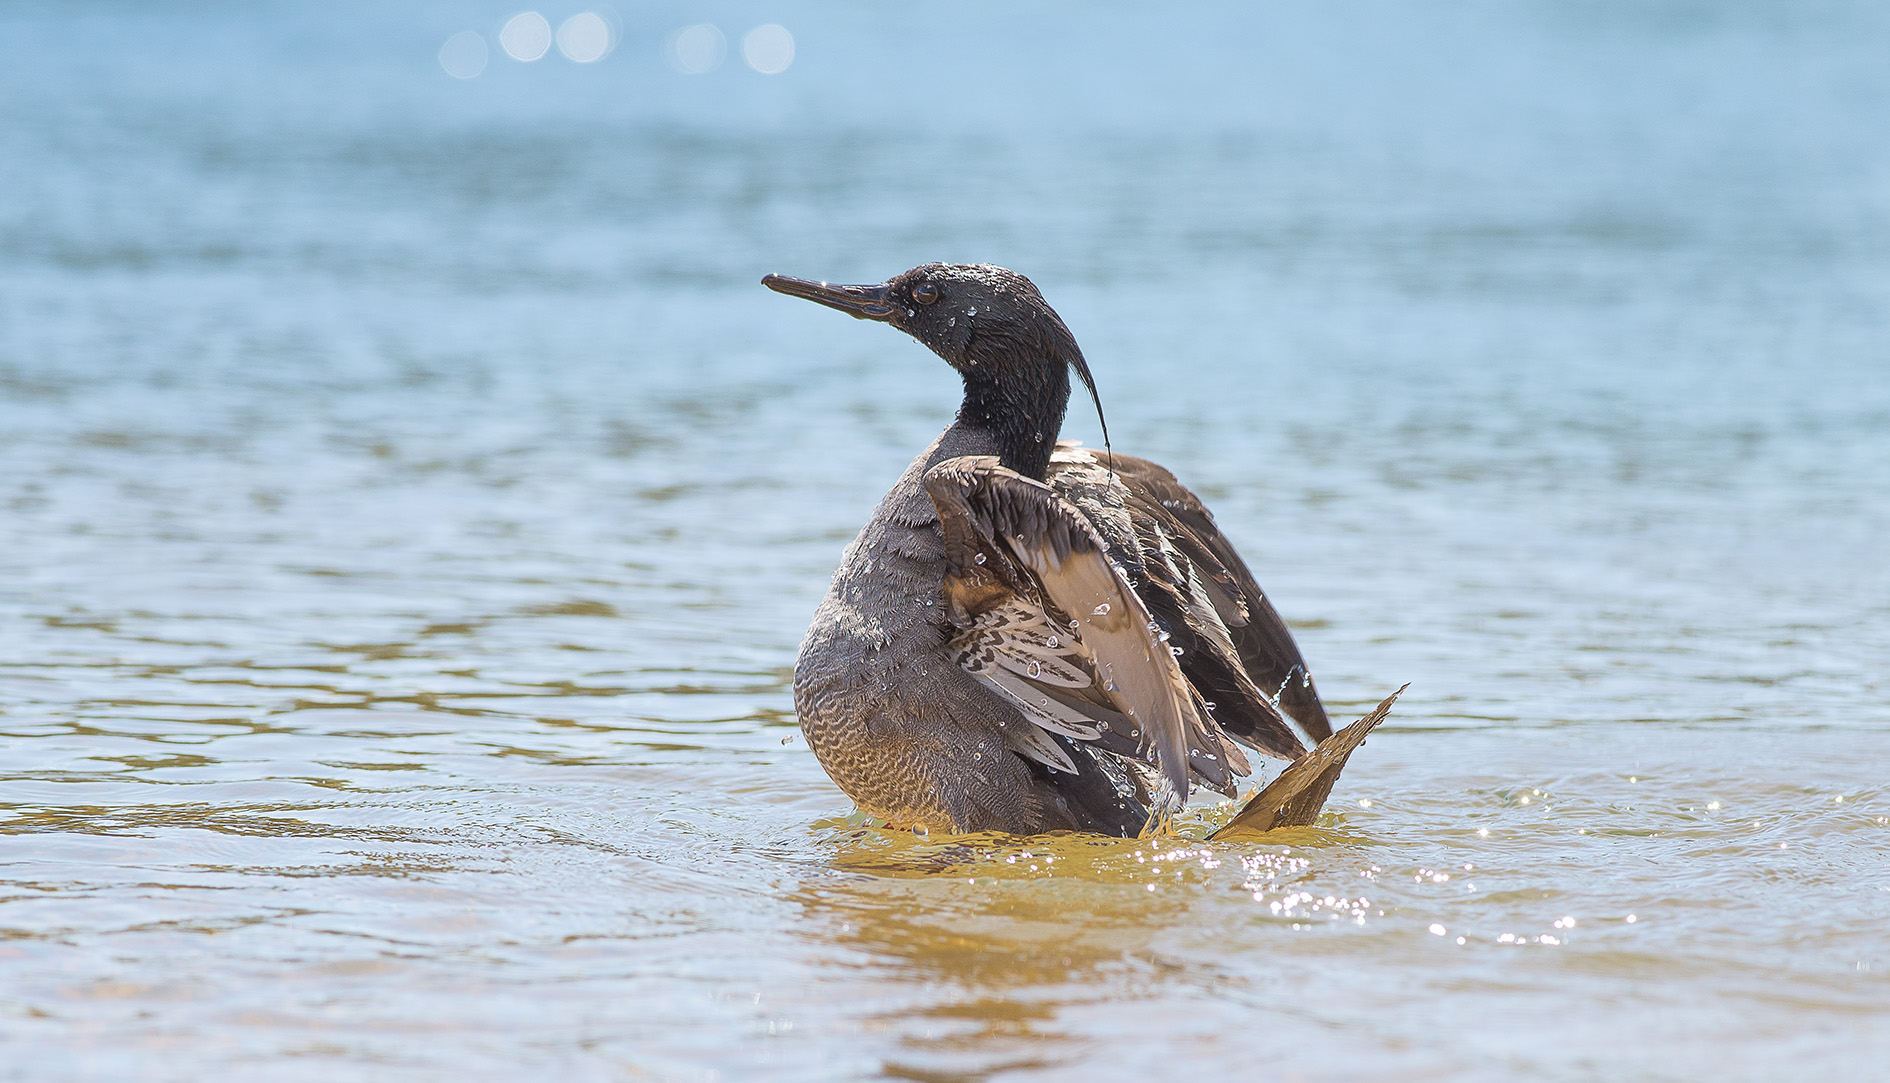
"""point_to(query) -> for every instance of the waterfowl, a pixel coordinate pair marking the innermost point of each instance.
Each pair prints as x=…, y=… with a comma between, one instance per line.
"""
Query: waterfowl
x=1031, y=636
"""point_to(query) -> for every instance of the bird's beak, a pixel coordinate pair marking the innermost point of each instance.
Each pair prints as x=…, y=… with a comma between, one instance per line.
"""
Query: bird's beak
x=860, y=302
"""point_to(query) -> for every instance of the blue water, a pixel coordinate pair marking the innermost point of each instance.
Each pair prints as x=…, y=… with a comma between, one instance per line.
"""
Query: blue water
x=410, y=504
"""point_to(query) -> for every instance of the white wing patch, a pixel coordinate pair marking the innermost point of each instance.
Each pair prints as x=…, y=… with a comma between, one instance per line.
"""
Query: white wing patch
x=1018, y=637
x=1058, y=569
x=1015, y=651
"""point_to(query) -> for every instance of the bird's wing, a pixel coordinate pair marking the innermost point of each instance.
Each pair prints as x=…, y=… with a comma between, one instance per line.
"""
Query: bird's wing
x=1295, y=798
x=1047, y=620
x=1236, y=649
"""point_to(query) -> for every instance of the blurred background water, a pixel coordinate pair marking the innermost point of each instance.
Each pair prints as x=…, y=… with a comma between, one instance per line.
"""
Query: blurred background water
x=412, y=505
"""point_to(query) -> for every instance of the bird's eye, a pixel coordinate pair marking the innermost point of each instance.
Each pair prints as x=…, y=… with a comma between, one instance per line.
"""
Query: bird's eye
x=925, y=293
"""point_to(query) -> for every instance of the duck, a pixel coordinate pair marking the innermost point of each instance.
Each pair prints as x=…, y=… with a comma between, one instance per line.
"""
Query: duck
x=1030, y=636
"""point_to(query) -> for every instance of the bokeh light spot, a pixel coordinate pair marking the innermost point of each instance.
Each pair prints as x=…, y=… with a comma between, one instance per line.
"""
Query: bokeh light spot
x=694, y=50
x=464, y=55
x=526, y=36
x=769, y=49
x=584, y=37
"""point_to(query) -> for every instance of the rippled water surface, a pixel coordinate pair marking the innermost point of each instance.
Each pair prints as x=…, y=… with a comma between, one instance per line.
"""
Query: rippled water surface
x=410, y=505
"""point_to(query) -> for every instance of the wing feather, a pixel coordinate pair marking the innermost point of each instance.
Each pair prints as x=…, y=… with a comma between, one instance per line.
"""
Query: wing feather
x=1296, y=796
x=1012, y=541
x=1237, y=650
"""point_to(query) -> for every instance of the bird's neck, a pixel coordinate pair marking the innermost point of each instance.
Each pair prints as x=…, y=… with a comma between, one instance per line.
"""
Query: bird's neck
x=1020, y=417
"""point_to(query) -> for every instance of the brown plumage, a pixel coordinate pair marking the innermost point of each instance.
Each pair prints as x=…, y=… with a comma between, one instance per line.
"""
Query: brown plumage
x=1030, y=636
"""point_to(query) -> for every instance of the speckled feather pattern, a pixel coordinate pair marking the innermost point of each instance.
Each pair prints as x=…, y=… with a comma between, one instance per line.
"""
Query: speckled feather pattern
x=903, y=695
x=909, y=735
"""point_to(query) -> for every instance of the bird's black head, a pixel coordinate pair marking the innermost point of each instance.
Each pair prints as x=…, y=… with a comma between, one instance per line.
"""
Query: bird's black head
x=990, y=324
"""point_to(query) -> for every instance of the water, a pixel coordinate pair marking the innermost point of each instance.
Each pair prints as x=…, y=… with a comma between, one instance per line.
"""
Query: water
x=413, y=503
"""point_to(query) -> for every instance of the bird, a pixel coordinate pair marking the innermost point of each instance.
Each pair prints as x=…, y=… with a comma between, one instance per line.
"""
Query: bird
x=1031, y=636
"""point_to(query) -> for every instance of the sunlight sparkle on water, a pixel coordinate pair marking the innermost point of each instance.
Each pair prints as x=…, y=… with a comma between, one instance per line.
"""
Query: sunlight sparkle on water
x=768, y=49
x=526, y=36
x=696, y=50
x=464, y=55
x=584, y=37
